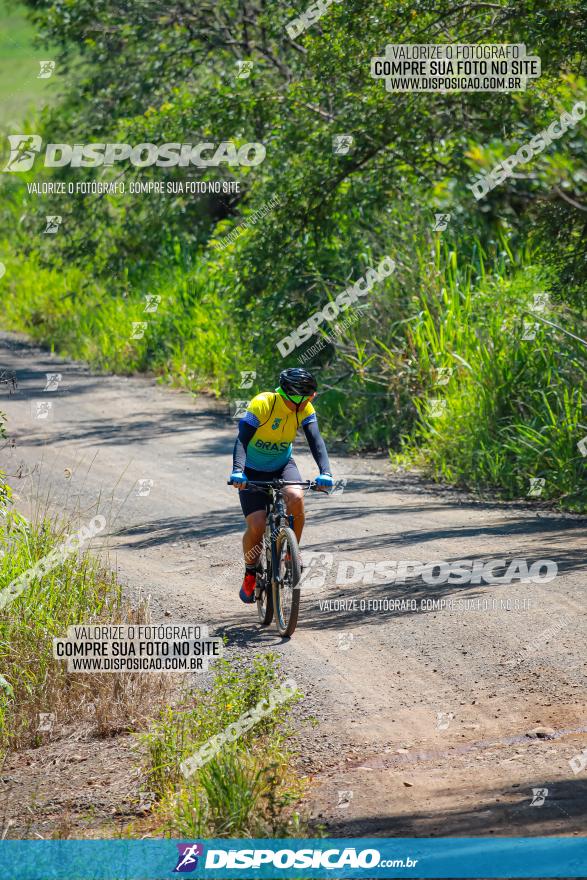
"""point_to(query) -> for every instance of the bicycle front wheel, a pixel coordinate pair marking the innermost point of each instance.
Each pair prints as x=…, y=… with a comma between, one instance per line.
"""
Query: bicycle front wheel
x=286, y=592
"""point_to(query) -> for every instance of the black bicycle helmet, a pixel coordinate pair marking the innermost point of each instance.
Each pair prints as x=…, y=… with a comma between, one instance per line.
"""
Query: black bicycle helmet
x=297, y=381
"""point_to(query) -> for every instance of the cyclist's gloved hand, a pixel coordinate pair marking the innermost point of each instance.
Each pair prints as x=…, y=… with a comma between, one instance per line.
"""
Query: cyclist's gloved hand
x=325, y=482
x=237, y=478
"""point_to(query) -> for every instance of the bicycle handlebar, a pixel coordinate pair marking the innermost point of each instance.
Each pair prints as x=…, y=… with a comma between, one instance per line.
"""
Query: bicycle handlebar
x=277, y=484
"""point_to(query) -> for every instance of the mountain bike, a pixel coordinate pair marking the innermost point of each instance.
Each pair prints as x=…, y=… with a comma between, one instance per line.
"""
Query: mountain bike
x=277, y=592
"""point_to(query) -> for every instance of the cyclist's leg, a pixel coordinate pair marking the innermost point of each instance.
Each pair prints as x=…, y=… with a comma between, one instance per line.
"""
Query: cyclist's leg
x=294, y=498
x=253, y=537
x=254, y=507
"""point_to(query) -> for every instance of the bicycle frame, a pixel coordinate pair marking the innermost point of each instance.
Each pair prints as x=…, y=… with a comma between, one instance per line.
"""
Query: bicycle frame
x=276, y=583
x=277, y=516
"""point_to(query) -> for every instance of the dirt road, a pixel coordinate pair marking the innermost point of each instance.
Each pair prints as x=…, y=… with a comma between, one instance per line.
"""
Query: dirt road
x=431, y=720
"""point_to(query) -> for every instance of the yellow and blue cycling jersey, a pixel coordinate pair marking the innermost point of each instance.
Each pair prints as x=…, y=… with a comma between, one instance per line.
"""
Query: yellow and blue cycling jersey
x=270, y=447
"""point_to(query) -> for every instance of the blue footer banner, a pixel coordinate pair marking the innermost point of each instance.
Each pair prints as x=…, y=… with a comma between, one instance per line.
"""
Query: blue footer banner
x=469, y=857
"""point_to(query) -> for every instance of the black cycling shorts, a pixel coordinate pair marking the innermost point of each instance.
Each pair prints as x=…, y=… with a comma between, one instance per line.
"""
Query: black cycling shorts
x=254, y=499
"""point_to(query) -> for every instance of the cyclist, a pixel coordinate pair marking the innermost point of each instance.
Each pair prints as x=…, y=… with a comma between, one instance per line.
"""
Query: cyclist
x=263, y=451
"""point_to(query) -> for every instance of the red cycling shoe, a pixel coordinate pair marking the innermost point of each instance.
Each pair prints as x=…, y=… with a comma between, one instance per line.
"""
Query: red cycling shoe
x=247, y=591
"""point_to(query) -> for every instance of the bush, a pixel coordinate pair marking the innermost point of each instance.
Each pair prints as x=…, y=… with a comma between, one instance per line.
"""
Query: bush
x=246, y=788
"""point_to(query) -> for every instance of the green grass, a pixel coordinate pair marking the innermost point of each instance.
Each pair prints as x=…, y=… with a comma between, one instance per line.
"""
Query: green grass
x=249, y=787
x=76, y=590
x=21, y=92
x=191, y=338
x=512, y=407
x=79, y=589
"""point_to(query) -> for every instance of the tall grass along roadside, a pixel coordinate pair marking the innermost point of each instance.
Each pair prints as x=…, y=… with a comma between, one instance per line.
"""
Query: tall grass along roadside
x=34, y=686
x=249, y=787
x=511, y=406
x=503, y=389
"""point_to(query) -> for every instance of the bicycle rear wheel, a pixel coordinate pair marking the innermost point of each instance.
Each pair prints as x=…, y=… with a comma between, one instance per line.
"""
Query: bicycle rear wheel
x=286, y=593
x=264, y=595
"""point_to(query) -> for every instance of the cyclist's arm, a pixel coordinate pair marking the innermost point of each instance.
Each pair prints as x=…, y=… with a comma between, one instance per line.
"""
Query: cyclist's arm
x=316, y=443
x=246, y=431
